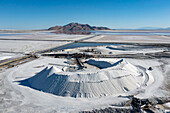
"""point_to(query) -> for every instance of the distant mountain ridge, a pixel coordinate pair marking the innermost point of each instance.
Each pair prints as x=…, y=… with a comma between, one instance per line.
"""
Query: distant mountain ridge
x=76, y=27
x=154, y=28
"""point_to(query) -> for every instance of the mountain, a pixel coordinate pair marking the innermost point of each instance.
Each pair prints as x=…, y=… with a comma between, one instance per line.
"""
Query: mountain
x=76, y=28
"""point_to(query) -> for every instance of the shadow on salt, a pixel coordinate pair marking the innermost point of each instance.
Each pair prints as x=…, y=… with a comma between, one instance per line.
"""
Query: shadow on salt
x=103, y=64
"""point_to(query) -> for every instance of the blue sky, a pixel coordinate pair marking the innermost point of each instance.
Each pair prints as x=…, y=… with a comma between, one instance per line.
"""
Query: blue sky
x=41, y=14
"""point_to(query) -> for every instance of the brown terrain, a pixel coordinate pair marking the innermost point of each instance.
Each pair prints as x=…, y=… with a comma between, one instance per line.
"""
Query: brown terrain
x=76, y=28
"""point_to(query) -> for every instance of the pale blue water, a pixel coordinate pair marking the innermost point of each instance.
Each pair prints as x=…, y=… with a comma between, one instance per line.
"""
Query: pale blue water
x=130, y=33
x=76, y=45
x=168, y=33
x=13, y=34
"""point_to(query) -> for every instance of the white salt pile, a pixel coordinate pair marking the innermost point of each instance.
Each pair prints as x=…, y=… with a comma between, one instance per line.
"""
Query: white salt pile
x=118, y=78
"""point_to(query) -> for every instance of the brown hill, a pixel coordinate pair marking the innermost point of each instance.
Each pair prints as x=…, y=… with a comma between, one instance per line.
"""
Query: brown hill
x=76, y=28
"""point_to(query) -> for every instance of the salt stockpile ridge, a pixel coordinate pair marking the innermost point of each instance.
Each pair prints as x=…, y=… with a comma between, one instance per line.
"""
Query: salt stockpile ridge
x=118, y=78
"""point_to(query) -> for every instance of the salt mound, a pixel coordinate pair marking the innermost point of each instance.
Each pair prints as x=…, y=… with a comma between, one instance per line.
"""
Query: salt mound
x=116, y=79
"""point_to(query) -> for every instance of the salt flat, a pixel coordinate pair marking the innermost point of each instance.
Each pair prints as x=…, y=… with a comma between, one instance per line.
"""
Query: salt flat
x=27, y=46
x=7, y=55
x=28, y=41
x=130, y=39
x=45, y=36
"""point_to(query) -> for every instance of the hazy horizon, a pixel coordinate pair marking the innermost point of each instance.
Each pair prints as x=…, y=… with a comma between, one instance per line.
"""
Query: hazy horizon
x=141, y=28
